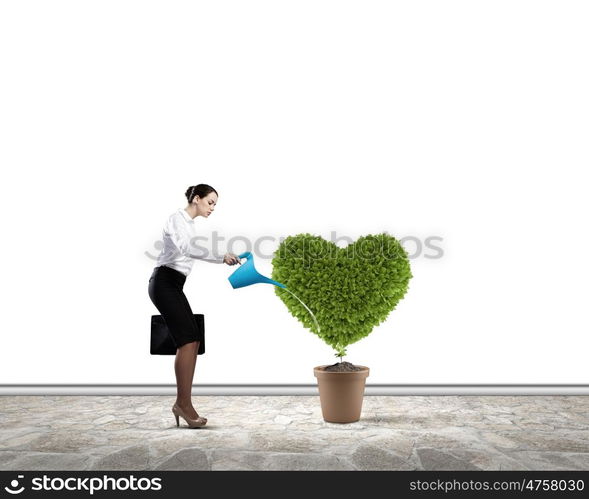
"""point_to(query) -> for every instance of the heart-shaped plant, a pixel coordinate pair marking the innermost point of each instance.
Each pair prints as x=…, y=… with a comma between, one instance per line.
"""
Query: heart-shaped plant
x=350, y=290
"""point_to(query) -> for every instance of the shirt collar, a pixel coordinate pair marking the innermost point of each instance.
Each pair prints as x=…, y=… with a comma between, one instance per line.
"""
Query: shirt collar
x=186, y=216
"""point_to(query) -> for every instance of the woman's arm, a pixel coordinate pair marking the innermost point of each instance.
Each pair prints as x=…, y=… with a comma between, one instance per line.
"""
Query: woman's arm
x=188, y=247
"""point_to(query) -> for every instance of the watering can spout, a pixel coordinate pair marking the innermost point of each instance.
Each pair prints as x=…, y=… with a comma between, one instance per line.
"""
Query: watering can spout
x=271, y=281
x=247, y=274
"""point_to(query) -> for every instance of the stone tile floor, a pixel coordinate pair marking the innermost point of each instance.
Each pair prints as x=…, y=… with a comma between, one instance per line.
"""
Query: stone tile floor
x=288, y=433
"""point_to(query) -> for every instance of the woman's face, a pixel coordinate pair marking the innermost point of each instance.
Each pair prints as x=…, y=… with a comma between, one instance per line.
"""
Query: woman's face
x=205, y=206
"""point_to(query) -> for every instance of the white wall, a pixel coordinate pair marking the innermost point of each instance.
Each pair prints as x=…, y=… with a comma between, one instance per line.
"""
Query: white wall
x=460, y=120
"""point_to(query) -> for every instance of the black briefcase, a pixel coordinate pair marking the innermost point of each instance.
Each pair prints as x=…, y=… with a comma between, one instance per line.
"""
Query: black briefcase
x=162, y=342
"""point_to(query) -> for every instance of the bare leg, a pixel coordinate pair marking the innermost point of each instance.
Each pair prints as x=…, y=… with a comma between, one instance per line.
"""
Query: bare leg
x=184, y=366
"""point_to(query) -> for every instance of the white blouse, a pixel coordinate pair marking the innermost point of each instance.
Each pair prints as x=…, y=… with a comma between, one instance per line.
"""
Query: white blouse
x=182, y=244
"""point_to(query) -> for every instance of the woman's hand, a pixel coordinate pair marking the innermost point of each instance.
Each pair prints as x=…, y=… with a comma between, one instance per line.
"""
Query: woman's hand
x=231, y=259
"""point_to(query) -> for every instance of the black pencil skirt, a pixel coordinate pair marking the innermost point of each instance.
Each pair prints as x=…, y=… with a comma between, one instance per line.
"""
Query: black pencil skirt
x=165, y=290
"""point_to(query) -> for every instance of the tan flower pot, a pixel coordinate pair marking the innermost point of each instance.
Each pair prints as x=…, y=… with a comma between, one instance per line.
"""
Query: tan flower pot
x=341, y=394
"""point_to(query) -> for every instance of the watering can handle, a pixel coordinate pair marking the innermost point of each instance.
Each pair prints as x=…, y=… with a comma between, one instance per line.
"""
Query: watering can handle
x=247, y=255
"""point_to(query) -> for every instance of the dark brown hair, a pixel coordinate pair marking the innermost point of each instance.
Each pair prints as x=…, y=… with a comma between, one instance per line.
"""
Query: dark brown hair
x=200, y=190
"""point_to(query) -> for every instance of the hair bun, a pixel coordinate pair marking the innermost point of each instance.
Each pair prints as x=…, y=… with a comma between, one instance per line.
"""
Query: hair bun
x=189, y=192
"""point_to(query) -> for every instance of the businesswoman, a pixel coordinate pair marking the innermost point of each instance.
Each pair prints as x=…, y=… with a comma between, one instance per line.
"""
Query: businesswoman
x=174, y=264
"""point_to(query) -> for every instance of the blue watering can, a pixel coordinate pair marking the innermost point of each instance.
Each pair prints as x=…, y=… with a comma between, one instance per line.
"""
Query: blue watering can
x=247, y=274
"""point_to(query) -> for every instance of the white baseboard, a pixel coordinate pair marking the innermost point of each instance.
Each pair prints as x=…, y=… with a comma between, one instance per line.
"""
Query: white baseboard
x=276, y=390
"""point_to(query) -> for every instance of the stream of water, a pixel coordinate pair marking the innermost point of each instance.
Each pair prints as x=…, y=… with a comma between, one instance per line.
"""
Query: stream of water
x=313, y=315
x=308, y=309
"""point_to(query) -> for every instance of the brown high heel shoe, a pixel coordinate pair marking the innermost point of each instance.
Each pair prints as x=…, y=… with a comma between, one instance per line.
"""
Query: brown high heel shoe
x=193, y=423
